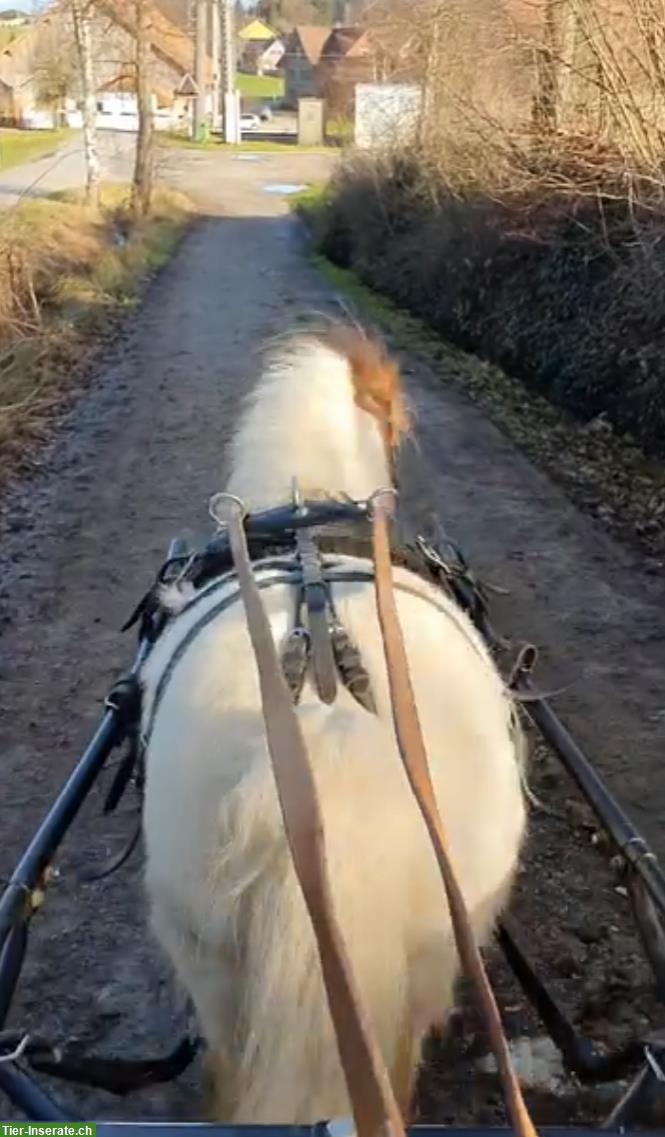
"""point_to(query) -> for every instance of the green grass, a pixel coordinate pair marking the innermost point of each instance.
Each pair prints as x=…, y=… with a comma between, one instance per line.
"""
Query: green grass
x=411, y=331
x=260, y=86
x=18, y=146
x=309, y=201
x=260, y=146
x=340, y=129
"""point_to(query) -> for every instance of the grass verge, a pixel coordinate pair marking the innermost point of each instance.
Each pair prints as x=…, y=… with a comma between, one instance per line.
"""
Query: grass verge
x=607, y=475
x=308, y=203
x=66, y=273
x=260, y=86
x=18, y=146
x=259, y=146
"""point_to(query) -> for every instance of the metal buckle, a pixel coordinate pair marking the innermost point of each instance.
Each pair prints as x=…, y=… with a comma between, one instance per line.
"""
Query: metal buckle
x=297, y=502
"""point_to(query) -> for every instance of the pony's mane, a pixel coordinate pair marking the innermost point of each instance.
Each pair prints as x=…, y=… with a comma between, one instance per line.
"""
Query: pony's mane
x=376, y=377
x=305, y=416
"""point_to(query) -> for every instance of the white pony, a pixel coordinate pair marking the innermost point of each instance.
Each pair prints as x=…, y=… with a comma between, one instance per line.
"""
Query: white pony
x=225, y=903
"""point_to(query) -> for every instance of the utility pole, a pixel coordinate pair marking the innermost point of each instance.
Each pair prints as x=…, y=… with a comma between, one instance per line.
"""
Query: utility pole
x=200, y=76
x=216, y=47
x=228, y=73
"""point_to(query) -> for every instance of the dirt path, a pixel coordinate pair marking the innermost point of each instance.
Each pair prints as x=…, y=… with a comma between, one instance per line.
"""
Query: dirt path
x=133, y=464
x=596, y=611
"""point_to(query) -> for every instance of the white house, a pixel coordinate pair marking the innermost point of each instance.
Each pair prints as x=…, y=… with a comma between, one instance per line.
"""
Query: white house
x=38, y=73
x=12, y=18
x=269, y=59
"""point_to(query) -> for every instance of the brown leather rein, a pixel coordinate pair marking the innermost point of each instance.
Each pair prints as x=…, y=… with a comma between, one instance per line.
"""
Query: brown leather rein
x=373, y=1103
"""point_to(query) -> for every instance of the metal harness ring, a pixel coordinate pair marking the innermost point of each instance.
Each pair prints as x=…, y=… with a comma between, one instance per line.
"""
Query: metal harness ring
x=217, y=500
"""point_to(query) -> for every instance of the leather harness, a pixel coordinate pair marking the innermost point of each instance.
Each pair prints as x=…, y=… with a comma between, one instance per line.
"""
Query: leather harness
x=281, y=679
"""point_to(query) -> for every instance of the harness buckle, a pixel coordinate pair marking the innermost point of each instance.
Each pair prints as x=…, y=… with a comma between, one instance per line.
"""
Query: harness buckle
x=297, y=498
x=316, y=601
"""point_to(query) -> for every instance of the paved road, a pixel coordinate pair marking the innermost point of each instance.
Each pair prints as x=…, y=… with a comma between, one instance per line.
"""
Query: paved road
x=65, y=168
x=135, y=462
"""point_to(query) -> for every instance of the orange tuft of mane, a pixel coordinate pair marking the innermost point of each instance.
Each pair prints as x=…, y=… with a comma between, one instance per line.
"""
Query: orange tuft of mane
x=376, y=378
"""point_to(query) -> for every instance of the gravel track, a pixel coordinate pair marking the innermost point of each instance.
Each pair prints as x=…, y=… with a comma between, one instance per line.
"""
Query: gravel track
x=132, y=464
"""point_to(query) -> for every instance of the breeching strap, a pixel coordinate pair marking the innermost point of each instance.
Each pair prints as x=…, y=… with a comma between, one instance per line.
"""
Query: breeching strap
x=375, y=1110
x=412, y=750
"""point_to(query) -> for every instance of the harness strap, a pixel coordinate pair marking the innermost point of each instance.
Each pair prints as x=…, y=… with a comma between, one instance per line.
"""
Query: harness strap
x=350, y=666
x=414, y=757
x=119, y=1076
x=118, y=861
x=374, y=1107
x=316, y=601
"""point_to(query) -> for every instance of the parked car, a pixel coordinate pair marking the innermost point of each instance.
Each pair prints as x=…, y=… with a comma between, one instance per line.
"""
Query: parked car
x=249, y=122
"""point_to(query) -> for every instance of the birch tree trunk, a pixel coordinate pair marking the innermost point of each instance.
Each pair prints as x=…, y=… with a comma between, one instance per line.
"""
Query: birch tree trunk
x=83, y=38
x=143, y=162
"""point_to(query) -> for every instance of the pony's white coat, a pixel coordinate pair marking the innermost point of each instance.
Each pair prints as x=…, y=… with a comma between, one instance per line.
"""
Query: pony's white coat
x=225, y=902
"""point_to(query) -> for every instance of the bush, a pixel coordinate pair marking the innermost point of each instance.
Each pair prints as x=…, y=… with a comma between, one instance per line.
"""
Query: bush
x=562, y=284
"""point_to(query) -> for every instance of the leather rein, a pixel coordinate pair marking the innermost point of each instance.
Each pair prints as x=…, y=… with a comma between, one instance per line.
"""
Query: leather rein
x=373, y=1103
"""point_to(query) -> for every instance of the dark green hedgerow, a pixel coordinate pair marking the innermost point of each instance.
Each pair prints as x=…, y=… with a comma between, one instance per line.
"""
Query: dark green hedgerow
x=565, y=292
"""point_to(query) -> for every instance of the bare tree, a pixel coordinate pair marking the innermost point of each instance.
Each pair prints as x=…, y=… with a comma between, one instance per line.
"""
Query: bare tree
x=546, y=98
x=81, y=18
x=143, y=163
x=54, y=64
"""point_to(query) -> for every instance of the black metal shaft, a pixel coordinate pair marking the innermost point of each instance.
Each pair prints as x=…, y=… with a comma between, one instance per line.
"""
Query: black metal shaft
x=650, y=928
x=627, y=838
x=619, y=826
x=16, y=900
x=30, y=868
x=580, y=1055
x=12, y=955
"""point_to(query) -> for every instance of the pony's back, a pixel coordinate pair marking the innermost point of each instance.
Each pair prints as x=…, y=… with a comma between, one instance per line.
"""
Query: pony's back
x=225, y=901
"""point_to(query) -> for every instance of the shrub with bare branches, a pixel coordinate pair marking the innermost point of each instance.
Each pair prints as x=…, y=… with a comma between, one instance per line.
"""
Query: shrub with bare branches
x=527, y=223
